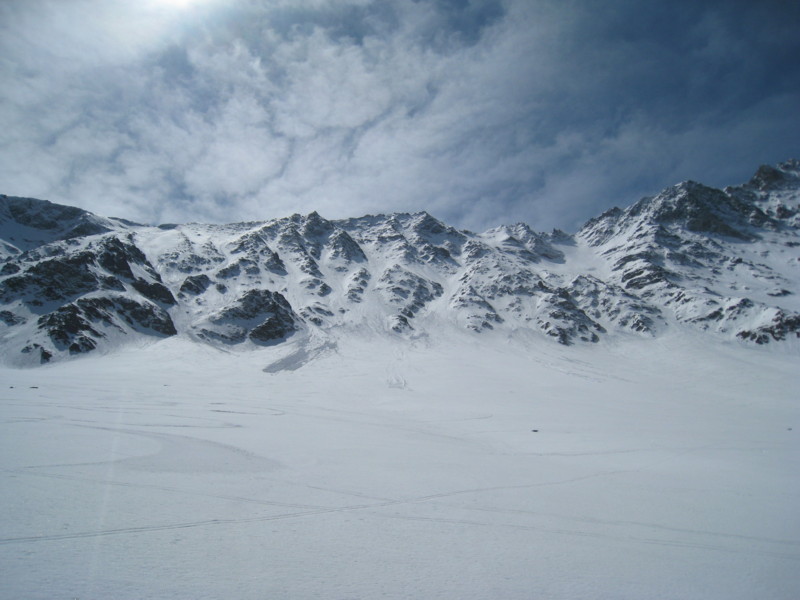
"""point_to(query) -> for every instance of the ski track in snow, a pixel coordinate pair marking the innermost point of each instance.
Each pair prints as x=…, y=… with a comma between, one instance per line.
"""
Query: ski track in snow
x=314, y=511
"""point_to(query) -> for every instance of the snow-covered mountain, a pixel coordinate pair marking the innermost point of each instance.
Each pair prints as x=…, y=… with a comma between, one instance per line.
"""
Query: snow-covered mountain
x=722, y=261
x=430, y=413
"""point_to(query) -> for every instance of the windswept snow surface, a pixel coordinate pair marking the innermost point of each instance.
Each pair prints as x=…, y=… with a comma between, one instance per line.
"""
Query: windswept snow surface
x=427, y=468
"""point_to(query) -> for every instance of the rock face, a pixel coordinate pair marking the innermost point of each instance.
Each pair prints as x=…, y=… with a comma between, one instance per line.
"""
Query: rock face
x=716, y=259
x=726, y=262
x=70, y=297
x=260, y=315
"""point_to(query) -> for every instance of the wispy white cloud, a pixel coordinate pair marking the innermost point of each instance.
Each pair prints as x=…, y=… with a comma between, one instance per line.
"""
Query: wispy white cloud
x=480, y=111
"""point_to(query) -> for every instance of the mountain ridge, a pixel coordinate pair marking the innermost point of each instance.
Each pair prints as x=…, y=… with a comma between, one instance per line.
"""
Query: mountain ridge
x=721, y=261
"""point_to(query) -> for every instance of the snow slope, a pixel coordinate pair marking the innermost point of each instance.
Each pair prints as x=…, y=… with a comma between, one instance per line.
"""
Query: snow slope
x=431, y=468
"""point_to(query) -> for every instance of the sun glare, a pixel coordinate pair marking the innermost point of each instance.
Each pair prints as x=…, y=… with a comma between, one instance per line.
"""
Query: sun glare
x=177, y=3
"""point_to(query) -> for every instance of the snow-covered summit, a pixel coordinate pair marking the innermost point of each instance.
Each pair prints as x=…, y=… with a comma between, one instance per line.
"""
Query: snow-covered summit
x=723, y=261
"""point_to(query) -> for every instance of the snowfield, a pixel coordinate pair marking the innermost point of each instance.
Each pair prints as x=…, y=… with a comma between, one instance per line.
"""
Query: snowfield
x=447, y=466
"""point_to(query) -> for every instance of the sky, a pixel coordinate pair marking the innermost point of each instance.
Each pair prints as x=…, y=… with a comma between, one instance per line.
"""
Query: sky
x=481, y=112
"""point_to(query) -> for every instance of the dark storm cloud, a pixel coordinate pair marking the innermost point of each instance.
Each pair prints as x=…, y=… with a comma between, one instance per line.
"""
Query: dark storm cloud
x=478, y=111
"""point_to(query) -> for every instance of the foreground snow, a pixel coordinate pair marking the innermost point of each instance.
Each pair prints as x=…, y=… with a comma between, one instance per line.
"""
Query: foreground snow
x=370, y=469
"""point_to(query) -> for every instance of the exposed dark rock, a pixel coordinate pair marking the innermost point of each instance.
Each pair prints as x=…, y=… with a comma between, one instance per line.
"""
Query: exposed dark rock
x=52, y=280
x=195, y=284
x=522, y=282
x=154, y=291
x=399, y=324
x=229, y=272
x=316, y=227
x=77, y=327
x=243, y=265
x=345, y=247
x=64, y=221
x=273, y=328
x=481, y=314
x=599, y=229
x=111, y=283
x=273, y=263
x=357, y=285
x=257, y=252
x=292, y=243
x=143, y=316
x=474, y=250
x=407, y=289
x=637, y=279
x=114, y=257
x=44, y=355
x=318, y=286
x=779, y=293
x=69, y=328
x=9, y=318
x=565, y=321
x=767, y=177
x=602, y=301
x=186, y=257
x=261, y=315
x=782, y=327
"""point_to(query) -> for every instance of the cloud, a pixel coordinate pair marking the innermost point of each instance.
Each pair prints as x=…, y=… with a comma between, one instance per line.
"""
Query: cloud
x=479, y=111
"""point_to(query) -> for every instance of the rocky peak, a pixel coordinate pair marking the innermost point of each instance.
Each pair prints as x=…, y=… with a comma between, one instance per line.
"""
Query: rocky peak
x=689, y=206
x=768, y=177
x=343, y=246
x=26, y=223
x=701, y=209
x=314, y=226
x=600, y=229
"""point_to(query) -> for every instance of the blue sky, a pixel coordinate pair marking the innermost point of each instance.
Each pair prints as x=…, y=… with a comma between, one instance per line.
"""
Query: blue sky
x=481, y=112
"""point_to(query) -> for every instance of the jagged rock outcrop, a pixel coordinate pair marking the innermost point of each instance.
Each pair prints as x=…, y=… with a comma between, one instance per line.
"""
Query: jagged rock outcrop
x=259, y=315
